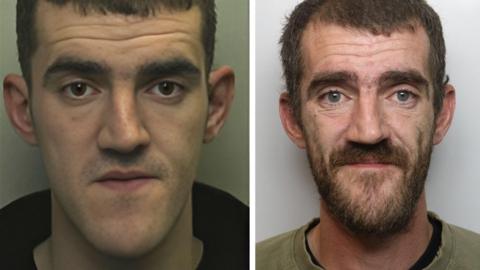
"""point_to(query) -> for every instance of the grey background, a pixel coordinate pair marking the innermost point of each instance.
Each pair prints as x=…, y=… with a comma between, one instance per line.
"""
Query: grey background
x=286, y=196
x=224, y=162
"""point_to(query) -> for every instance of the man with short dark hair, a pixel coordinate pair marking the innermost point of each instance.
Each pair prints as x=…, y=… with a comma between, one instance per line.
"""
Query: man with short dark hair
x=367, y=97
x=120, y=97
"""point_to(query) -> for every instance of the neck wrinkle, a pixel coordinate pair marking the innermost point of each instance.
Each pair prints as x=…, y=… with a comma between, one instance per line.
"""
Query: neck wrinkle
x=335, y=247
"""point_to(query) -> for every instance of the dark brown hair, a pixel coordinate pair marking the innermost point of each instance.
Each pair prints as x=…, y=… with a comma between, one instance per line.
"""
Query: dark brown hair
x=380, y=17
x=27, y=37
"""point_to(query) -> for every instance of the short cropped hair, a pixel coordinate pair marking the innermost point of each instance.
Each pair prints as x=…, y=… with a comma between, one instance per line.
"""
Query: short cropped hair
x=27, y=41
x=379, y=17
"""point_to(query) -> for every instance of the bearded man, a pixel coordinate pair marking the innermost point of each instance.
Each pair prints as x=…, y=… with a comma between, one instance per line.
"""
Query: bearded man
x=367, y=97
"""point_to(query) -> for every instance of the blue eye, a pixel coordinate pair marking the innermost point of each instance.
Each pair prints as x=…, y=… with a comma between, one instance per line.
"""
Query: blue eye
x=334, y=96
x=403, y=95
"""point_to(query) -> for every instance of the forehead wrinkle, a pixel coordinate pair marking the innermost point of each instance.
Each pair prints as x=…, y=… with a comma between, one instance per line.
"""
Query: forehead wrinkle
x=360, y=44
x=364, y=54
x=132, y=38
x=124, y=31
x=318, y=38
x=70, y=24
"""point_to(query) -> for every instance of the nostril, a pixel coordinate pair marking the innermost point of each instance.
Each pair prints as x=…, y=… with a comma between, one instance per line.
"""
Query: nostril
x=367, y=129
x=123, y=137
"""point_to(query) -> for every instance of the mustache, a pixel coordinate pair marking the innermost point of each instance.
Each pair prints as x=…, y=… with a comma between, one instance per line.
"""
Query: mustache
x=382, y=152
x=134, y=161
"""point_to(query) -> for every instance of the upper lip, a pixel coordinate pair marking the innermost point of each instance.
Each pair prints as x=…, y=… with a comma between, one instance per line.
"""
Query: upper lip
x=369, y=162
x=119, y=175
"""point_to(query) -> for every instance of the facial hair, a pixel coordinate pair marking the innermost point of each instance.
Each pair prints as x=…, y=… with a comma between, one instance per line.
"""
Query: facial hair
x=373, y=213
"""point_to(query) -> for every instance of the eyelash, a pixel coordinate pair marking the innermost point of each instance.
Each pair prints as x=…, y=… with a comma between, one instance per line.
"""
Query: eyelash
x=66, y=90
x=177, y=91
x=324, y=96
x=154, y=89
x=412, y=98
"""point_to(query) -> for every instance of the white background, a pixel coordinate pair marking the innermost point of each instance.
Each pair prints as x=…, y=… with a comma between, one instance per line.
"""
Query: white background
x=286, y=196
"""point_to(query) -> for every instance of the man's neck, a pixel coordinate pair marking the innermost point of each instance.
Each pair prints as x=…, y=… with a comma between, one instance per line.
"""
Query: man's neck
x=337, y=248
x=62, y=250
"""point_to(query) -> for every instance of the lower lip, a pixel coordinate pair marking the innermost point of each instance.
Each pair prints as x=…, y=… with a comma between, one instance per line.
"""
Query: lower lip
x=126, y=185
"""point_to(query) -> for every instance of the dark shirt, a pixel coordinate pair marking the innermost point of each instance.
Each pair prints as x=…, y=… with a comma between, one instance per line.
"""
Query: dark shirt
x=220, y=221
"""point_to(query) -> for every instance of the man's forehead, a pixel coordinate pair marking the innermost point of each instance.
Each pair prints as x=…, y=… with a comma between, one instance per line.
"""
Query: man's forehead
x=328, y=35
x=328, y=45
x=63, y=22
x=121, y=43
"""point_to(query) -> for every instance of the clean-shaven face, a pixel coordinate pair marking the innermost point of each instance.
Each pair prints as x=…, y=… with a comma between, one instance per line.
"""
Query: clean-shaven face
x=368, y=122
x=119, y=107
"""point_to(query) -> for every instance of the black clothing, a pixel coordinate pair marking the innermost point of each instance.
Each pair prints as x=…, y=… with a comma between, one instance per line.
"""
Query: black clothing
x=432, y=248
x=220, y=221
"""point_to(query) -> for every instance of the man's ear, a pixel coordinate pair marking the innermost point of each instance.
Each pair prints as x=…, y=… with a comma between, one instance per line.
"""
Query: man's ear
x=445, y=116
x=290, y=122
x=222, y=88
x=16, y=97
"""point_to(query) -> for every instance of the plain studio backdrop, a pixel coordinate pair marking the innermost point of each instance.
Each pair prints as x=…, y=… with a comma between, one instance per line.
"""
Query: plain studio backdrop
x=286, y=196
x=224, y=162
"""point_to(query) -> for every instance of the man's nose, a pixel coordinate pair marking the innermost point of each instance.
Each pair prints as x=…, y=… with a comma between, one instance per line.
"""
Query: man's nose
x=123, y=130
x=367, y=123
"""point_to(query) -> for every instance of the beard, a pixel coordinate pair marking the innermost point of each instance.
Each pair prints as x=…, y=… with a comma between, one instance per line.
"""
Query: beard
x=366, y=202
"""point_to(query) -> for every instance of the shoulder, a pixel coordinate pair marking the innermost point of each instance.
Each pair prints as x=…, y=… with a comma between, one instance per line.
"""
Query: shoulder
x=24, y=214
x=209, y=198
x=24, y=223
x=466, y=248
x=277, y=252
x=215, y=206
x=460, y=248
x=222, y=223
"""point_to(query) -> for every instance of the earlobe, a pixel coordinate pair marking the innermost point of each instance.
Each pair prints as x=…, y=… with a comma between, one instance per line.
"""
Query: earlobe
x=445, y=116
x=16, y=97
x=290, y=121
x=222, y=88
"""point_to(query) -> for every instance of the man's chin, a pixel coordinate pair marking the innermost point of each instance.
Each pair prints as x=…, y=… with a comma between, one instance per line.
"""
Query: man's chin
x=373, y=206
x=371, y=216
x=125, y=242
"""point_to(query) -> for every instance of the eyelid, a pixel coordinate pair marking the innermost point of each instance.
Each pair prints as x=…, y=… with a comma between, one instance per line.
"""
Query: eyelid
x=180, y=88
x=329, y=89
x=64, y=90
x=323, y=97
x=410, y=102
x=406, y=87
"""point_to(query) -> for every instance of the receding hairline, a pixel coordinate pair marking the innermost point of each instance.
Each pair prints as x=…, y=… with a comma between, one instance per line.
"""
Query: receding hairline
x=413, y=26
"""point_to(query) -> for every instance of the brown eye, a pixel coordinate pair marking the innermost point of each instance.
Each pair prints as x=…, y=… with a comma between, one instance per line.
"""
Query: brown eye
x=167, y=89
x=78, y=90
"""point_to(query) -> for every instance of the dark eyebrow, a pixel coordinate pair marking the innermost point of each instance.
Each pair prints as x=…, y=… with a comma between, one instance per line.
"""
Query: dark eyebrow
x=171, y=67
x=323, y=79
x=75, y=65
x=396, y=77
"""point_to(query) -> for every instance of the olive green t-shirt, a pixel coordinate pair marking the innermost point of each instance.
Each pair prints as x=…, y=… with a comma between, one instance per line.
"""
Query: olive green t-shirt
x=459, y=250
